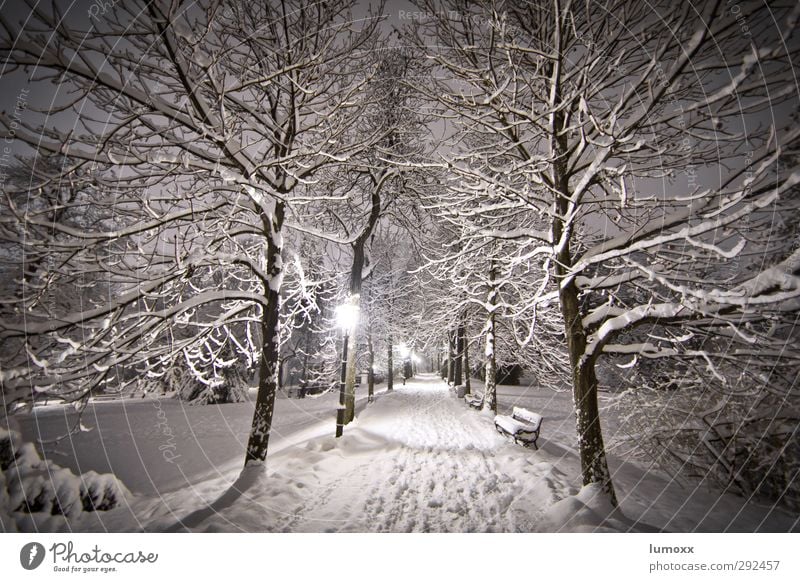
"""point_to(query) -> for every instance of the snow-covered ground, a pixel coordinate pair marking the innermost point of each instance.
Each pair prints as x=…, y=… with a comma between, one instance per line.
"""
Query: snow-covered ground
x=158, y=446
x=417, y=459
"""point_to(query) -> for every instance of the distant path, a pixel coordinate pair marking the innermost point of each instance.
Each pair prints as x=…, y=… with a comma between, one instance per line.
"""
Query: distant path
x=420, y=460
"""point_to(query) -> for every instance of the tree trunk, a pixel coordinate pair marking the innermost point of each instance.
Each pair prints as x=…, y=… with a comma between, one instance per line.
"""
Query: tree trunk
x=350, y=384
x=306, y=350
x=458, y=378
x=490, y=387
x=408, y=370
x=594, y=465
x=355, y=301
x=340, y=411
x=451, y=358
x=258, y=440
x=389, y=364
x=490, y=384
x=467, y=371
x=281, y=371
x=356, y=274
x=370, y=364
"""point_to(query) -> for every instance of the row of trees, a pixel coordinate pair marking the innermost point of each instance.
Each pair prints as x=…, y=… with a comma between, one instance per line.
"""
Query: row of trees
x=589, y=186
x=150, y=235
x=627, y=173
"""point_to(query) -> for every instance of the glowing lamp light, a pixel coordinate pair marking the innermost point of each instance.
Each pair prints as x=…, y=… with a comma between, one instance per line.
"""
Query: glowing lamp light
x=347, y=316
x=404, y=351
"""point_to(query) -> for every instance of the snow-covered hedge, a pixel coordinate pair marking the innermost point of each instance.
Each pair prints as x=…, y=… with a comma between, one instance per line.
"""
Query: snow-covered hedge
x=741, y=435
x=31, y=485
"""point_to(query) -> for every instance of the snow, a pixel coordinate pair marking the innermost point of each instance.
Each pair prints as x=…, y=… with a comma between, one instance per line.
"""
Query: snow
x=415, y=460
x=528, y=416
x=139, y=440
x=590, y=510
x=521, y=421
x=40, y=495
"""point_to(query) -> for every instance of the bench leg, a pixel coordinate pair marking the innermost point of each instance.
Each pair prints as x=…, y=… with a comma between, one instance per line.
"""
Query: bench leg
x=526, y=444
x=504, y=434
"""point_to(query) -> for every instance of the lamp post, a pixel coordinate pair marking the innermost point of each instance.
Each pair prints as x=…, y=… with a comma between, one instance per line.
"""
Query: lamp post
x=346, y=318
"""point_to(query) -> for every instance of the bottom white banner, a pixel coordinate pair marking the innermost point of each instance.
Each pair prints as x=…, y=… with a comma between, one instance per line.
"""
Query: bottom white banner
x=353, y=557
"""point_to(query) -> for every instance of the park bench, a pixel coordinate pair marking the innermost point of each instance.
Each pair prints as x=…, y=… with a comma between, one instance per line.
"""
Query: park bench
x=303, y=391
x=314, y=389
x=523, y=426
x=475, y=400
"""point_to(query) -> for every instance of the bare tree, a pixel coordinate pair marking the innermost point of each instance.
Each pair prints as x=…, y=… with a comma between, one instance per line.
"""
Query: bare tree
x=638, y=132
x=201, y=124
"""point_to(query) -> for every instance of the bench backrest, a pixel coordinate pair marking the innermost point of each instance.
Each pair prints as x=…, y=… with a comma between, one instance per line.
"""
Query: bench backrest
x=526, y=415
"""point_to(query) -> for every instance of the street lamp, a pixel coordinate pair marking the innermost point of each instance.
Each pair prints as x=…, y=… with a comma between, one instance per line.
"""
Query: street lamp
x=347, y=319
x=347, y=316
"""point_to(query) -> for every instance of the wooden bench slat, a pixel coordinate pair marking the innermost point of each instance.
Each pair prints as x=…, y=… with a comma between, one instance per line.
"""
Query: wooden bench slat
x=522, y=425
x=526, y=415
x=475, y=399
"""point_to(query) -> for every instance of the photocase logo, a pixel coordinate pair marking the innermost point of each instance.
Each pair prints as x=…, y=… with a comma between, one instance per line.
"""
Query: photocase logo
x=31, y=555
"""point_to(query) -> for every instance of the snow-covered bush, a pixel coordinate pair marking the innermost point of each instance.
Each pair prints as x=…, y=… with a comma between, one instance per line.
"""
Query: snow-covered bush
x=210, y=373
x=31, y=485
x=231, y=386
x=740, y=434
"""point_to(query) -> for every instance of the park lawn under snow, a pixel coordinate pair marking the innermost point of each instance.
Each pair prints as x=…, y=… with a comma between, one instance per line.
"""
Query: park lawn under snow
x=417, y=459
x=158, y=446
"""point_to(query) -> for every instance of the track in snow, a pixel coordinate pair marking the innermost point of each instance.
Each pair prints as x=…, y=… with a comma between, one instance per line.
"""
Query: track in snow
x=419, y=460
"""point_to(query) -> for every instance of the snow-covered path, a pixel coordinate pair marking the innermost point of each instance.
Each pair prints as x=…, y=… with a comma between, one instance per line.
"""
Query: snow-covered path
x=416, y=460
x=439, y=472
